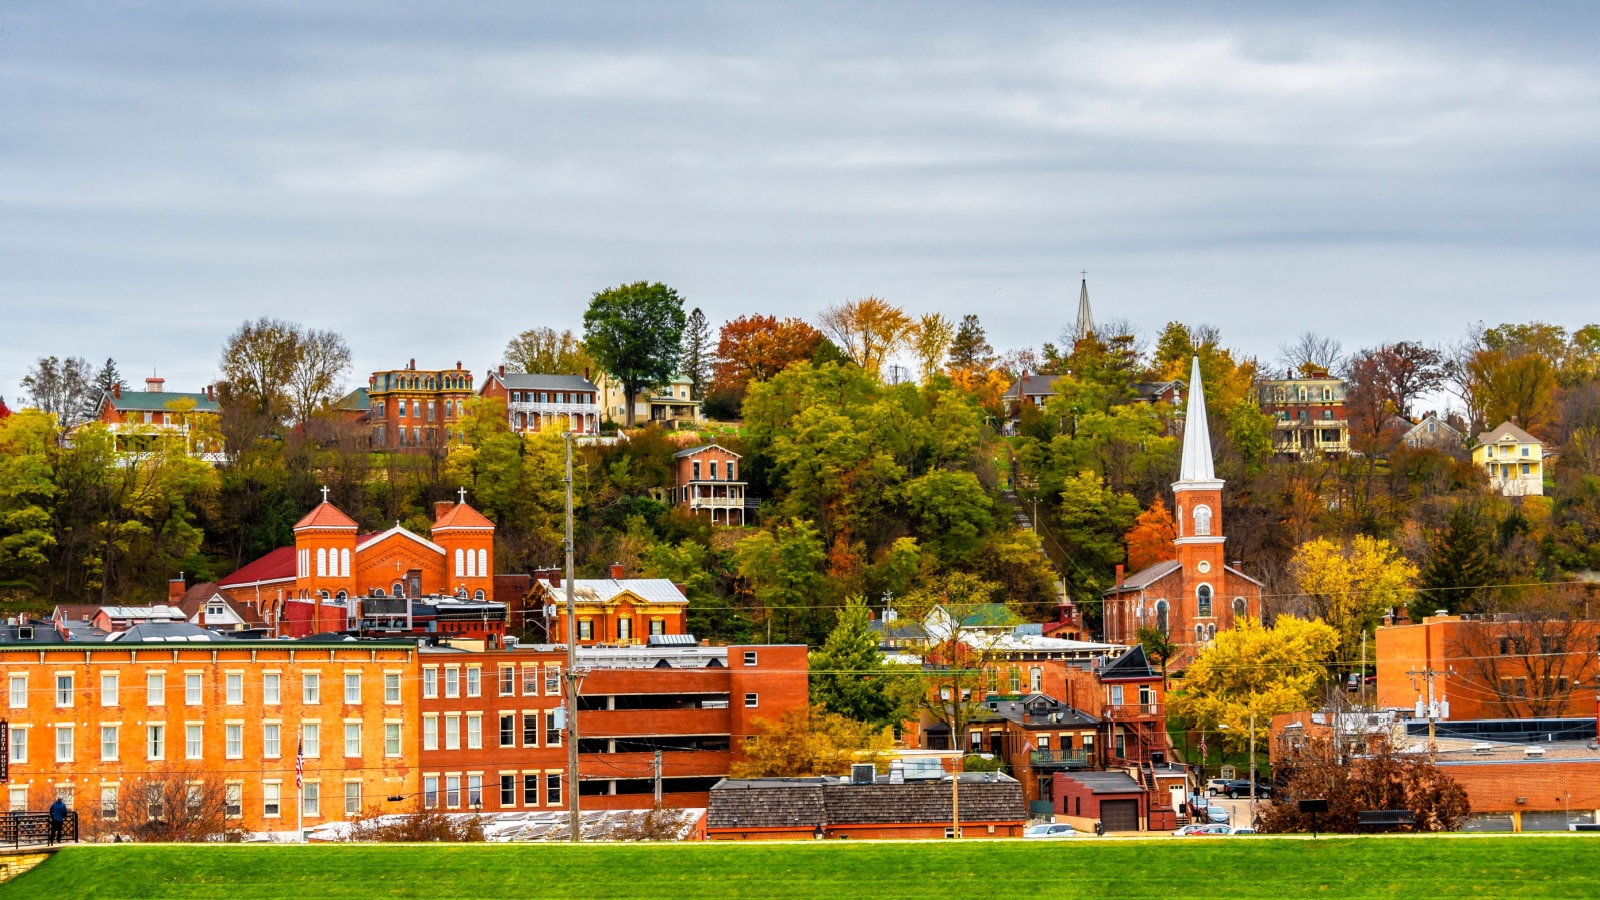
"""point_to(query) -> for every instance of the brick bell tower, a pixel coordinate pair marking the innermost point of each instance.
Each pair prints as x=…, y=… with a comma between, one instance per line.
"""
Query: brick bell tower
x=324, y=541
x=467, y=537
x=1197, y=496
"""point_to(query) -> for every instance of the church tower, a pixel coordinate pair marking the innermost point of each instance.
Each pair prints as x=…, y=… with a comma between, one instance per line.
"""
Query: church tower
x=324, y=541
x=1197, y=496
x=1085, y=323
x=467, y=538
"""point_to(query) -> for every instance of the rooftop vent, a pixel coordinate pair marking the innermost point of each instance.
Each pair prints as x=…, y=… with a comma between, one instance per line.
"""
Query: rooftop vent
x=1536, y=751
x=863, y=773
x=1482, y=748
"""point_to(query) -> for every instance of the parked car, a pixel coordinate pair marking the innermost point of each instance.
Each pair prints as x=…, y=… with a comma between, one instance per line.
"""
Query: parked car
x=1050, y=830
x=1187, y=830
x=1216, y=785
x=1217, y=815
x=1209, y=831
x=1241, y=788
x=1241, y=830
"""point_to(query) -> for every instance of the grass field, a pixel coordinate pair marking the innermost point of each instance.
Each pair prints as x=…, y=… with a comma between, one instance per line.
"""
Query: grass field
x=1426, y=867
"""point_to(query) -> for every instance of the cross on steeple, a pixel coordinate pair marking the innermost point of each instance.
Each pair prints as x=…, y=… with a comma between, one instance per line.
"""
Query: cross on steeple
x=463, y=494
x=324, y=493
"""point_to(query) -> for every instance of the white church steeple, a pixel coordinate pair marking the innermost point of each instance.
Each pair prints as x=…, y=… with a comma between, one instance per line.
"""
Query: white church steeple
x=1197, y=461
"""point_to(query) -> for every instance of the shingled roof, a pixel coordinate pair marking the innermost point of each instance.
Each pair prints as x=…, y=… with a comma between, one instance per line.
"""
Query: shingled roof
x=787, y=802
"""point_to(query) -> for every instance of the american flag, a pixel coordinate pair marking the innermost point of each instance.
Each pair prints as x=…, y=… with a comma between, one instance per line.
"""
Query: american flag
x=1202, y=746
x=300, y=763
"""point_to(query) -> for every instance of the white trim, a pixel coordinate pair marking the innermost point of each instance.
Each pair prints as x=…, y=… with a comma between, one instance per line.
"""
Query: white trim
x=404, y=533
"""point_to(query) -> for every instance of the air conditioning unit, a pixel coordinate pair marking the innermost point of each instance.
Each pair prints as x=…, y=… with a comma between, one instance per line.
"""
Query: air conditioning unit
x=1481, y=749
x=863, y=773
x=1533, y=751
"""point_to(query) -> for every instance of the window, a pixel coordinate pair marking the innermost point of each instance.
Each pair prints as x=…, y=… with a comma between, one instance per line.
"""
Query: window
x=552, y=790
x=430, y=791
x=156, y=741
x=530, y=790
x=751, y=701
x=430, y=683
x=311, y=739
x=234, y=738
x=508, y=681
x=271, y=689
x=1199, y=634
x=452, y=732
x=352, y=688
x=322, y=562
x=1116, y=695
x=696, y=470
x=193, y=743
x=552, y=730
x=530, y=729
x=475, y=791
x=63, y=743
x=19, y=692
x=19, y=799
x=108, y=743
x=452, y=682
x=585, y=630
x=713, y=470
x=1036, y=679
x=430, y=732
x=1527, y=469
x=1161, y=616
x=271, y=792
x=352, y=798
x=108, y=802
x=624, y=628
x=391, y=739
x=750, y=657
x=194, y=799
x=19, y=744
x=508, y=730
x=1240, y=611
x=391, y=687
x=311, y=688
x=352, y=739
x=530, y=681
x=272, y=740
x=508, y=790
x=155, y=801
x=1203, y=599
x=63, y=690
x=1202, y=520
x=474, y=732
x=402, y=403
x=233, y=799
x=312, y=794
x=1526, y=451
x=483, y=564
x=452, y=791
x=234, y=682
x=108, y=689
x=658, y=626
x=552, y=680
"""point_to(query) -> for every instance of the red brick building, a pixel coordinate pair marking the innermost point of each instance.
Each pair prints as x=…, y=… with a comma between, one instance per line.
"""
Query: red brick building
x=1194, y=596
x=616, y=610
x=411, y=409
x=708, y=481
x=537, y=402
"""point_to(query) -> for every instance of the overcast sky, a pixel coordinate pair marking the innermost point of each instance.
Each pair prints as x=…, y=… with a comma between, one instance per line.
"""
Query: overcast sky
x=431, y=181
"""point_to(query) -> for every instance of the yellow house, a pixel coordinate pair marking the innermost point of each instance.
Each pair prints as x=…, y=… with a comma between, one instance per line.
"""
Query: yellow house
x=1514, y=460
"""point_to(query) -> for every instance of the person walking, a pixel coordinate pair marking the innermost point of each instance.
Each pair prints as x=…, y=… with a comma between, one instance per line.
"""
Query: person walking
x=58, y=818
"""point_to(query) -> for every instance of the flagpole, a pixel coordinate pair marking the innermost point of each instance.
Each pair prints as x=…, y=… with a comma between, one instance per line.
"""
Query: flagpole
x=299, y=786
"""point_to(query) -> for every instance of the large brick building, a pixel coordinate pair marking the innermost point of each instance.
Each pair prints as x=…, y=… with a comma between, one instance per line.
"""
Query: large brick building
x=707, y=480
x=412, y=409
x=536, y=402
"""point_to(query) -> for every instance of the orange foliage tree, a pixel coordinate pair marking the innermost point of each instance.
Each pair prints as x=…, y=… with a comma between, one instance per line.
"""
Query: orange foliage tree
x=755, y=348
x=1150, y=539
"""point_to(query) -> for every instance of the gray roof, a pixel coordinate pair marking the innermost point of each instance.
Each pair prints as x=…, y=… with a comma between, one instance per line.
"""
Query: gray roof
x=1133, y=664
x=601, y=590
x=1504, y=428
x=1147, y=576
x=1033, y=386
x=1044, y=710
x=1107, y=782
x=704, y=447
x=780, y=802
x=522, y=381
x=167, y=631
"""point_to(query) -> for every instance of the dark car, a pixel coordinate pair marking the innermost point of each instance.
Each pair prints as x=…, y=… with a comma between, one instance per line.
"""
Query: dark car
x=1241, y=788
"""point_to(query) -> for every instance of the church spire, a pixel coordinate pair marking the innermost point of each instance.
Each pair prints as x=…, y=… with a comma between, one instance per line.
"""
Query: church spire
x=1085, y=325
x=1197, y=464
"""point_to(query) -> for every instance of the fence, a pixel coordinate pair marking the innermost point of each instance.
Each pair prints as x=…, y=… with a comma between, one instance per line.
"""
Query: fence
x=18, y=828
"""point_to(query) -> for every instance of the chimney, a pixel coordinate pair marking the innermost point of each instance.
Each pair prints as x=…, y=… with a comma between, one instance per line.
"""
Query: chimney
x=153, y=384
x=440, y=507
x=502, y=371
x=22, y=618
x=176, y=588
x=411, y=365
x=458, y=365
x=211, y=392
x=616, y=571
x=116, y=391
x=1119, y=574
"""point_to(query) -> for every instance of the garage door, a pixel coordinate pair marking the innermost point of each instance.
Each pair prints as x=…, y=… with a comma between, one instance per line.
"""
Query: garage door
x=1119, y=815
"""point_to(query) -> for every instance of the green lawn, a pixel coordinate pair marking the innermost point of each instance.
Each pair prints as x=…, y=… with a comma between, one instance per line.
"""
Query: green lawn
x=1276, y=868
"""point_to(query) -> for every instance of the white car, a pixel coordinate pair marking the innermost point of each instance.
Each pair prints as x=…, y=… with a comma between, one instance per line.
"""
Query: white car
x=1241, y=830
x=1187, y=830
x=1050, y=830
x=1216, y=786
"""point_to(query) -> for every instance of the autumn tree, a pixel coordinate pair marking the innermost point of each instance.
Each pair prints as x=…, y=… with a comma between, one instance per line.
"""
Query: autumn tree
x=1533, y=656
x=1252, y=670
x=1151, y=539
x=697, y=353
x=869, y=330
x=316, y=375
x=756, y=348
x=1310, y=353
x=969, y=348
x=258, y=363
x=1515, y=385
x=1351, y=586
x=64, y=388
x=1381, y=777
x=805, y=742
x=930, y=338
x=175, y=805
x=635, y=332
x=545, y=351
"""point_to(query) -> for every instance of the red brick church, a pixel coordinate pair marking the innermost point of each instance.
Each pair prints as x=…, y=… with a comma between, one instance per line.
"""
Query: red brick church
x=1192, y=597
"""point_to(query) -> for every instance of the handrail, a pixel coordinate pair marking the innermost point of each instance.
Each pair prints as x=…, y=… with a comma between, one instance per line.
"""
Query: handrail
x=18, y=827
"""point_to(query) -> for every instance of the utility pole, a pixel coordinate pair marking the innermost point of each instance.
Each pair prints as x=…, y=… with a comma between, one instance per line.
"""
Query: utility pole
x=955, y=787
x=576, y=822
x=1434, y=705
x=1363, y=670
x=658, y=777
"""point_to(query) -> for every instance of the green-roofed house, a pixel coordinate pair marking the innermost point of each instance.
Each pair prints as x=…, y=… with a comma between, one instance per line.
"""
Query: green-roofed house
x=141, y=419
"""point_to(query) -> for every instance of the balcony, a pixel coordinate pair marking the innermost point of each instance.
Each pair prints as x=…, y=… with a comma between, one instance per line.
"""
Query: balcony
x=1059, y=759
x=1126, y=711
x=553, y=409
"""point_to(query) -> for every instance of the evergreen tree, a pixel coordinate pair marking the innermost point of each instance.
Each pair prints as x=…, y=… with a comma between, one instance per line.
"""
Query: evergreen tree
x=1460, y=564
x=109, y=378
x=849, y=676
x=970, y=348
x=697, y=352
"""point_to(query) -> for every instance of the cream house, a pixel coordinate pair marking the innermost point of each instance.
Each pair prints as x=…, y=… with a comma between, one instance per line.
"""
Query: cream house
x=1514, y=460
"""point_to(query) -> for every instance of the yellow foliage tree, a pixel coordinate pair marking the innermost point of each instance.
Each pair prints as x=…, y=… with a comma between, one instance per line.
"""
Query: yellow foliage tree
x=931, y=337
x=1251, y=669
x=868, y=331
x=811, y=742
x=1351, y=586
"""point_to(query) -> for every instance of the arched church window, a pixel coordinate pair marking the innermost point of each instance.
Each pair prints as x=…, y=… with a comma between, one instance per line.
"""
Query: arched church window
x=322, y=562
x=1199, y=634
x=483, y=563
x=1203, y=596
x=378, y=592
x=477, y=595
x=1211, y=632
x=460, y=565
x=1240, y=611
x=472, y=565
x=1202, y=520
x=341, y=596
x=344, y=563
x=1161, y=616
x=399, y=588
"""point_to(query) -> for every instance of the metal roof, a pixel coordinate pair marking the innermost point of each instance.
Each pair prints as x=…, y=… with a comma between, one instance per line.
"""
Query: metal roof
x=156, y=401
x=522, y=381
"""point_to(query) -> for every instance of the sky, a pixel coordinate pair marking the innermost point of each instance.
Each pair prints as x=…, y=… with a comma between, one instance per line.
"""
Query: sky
x=429, y=180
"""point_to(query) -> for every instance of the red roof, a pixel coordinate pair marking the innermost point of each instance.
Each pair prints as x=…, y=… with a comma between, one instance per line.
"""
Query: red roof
x=460, y=515
x=326, y=515
x=275, y=566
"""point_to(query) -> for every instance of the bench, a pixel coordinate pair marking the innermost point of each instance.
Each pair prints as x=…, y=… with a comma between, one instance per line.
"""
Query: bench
x=1386, y=818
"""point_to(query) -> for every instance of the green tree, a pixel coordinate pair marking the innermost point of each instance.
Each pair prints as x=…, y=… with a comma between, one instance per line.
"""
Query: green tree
x=1461, y=564
x=970, y=349
x=545, y=351
x=1159, y=646
x=635, y=332
x=1091, y=521
x=952, y=511
x=784, y=570
x=697, y=353
x=849, y=676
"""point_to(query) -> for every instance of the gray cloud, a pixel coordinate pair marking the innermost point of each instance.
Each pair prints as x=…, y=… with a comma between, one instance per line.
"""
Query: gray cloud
x=431, y=180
